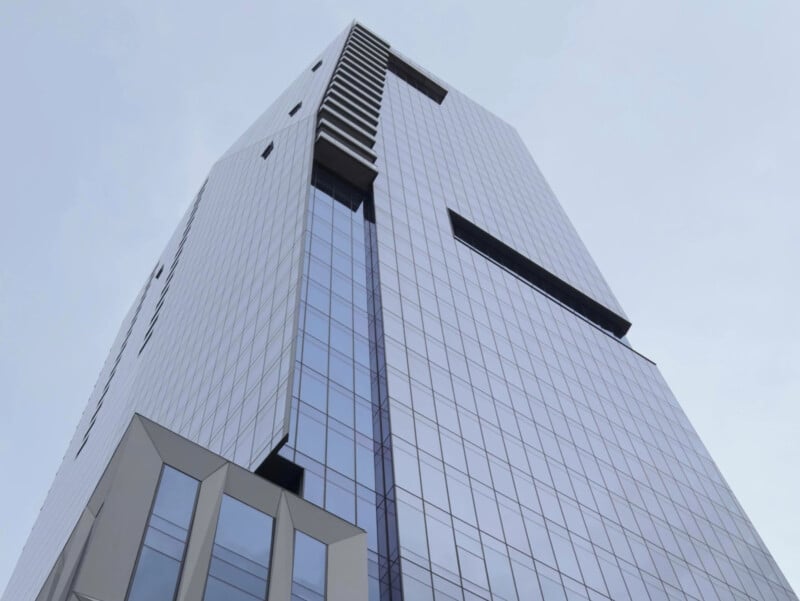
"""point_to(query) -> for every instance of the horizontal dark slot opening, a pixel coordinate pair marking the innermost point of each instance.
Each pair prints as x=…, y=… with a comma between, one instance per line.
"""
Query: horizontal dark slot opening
x=536, y=275
x=415, y=79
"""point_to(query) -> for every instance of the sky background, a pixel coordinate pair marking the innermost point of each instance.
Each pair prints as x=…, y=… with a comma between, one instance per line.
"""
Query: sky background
x=670, y=131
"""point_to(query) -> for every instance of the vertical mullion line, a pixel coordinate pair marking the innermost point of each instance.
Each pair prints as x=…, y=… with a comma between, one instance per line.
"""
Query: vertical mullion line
x=386, y=506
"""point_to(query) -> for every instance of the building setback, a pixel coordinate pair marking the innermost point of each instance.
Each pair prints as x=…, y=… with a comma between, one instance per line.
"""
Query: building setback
x=376, y=362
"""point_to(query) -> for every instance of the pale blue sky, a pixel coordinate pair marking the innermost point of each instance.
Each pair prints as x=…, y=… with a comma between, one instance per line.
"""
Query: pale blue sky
x=669, y=130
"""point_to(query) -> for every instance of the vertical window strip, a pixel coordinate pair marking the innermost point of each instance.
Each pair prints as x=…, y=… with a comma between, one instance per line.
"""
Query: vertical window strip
x=309, y=569
x=240, y=557
x=158, y=568
x=386, y=505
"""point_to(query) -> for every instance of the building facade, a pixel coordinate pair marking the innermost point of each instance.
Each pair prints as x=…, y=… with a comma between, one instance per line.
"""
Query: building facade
x=375, y=361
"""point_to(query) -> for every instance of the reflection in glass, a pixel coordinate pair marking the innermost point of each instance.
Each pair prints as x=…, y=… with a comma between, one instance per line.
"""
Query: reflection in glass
x=159, y=566
x=308, y=573
x=239, y=569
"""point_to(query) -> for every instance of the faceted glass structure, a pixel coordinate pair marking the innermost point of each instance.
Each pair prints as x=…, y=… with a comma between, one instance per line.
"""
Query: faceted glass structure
x=376, y=301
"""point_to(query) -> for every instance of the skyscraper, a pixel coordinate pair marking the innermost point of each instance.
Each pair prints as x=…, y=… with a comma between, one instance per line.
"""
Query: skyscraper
x=376, y=344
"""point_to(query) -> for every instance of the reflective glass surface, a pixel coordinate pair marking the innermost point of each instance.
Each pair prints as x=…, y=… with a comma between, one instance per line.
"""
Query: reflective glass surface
x=490, y=441
x=309, y=570
x=161, y=557
x=331, y=433
x=239, y=569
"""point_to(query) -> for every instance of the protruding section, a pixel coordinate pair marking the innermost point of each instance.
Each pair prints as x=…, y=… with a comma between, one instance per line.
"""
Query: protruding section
x=347, y=122
x=340, y=159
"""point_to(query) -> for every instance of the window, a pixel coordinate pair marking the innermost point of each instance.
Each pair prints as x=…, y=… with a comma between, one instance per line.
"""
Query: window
x=158, y=569
x=240, y=557
x=317, y=66
x=159, y=272
x=267, y=150
x=309, y=570
x=295, y=109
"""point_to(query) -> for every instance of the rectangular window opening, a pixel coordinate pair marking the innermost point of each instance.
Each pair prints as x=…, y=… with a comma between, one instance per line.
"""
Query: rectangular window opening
x=160, y=271
x=161, y=555
x=295, y=109
x=317, y=66
x=267, y=150
x=537, y=276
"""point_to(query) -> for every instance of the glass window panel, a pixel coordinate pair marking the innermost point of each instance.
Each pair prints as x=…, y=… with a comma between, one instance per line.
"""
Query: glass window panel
x=310, y=436
x=442, y=545
x=244, y=580
x=309, y=570
x=488, y=517
x=527, y=583
x=313, y=389
x=342, y=311
x=159, y=565
x=233, y=560
x=175, y=499
x=341, y=339
x=565, y=555
x=167, y=527
x=341, y=370
x=241, y=553
x=472, y=568
x=365, y=466
x=156, y=577
x=244, y=530
x=501, y=580
x=217, y=590
x=164, y=543
x=315, y=355
x=340, y=404
x=341, y=453
x=340, y=501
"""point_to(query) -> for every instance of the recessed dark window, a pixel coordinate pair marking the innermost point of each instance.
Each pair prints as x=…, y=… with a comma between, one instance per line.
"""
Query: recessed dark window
x=282, y=472
x=535, y=275
x=317, y=66
x=267, y=150
x=416, y=79
x=160, y=271
x=295, y=109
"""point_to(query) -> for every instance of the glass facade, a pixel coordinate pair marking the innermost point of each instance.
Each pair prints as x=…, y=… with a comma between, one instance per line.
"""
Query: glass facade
x=240, y=558
x=331, y=433
x=158, y=569
x=493, y=442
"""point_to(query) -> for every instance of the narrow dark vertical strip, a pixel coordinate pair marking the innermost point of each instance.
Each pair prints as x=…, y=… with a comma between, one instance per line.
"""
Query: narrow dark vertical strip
x=171, y=274
x=386, y=506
